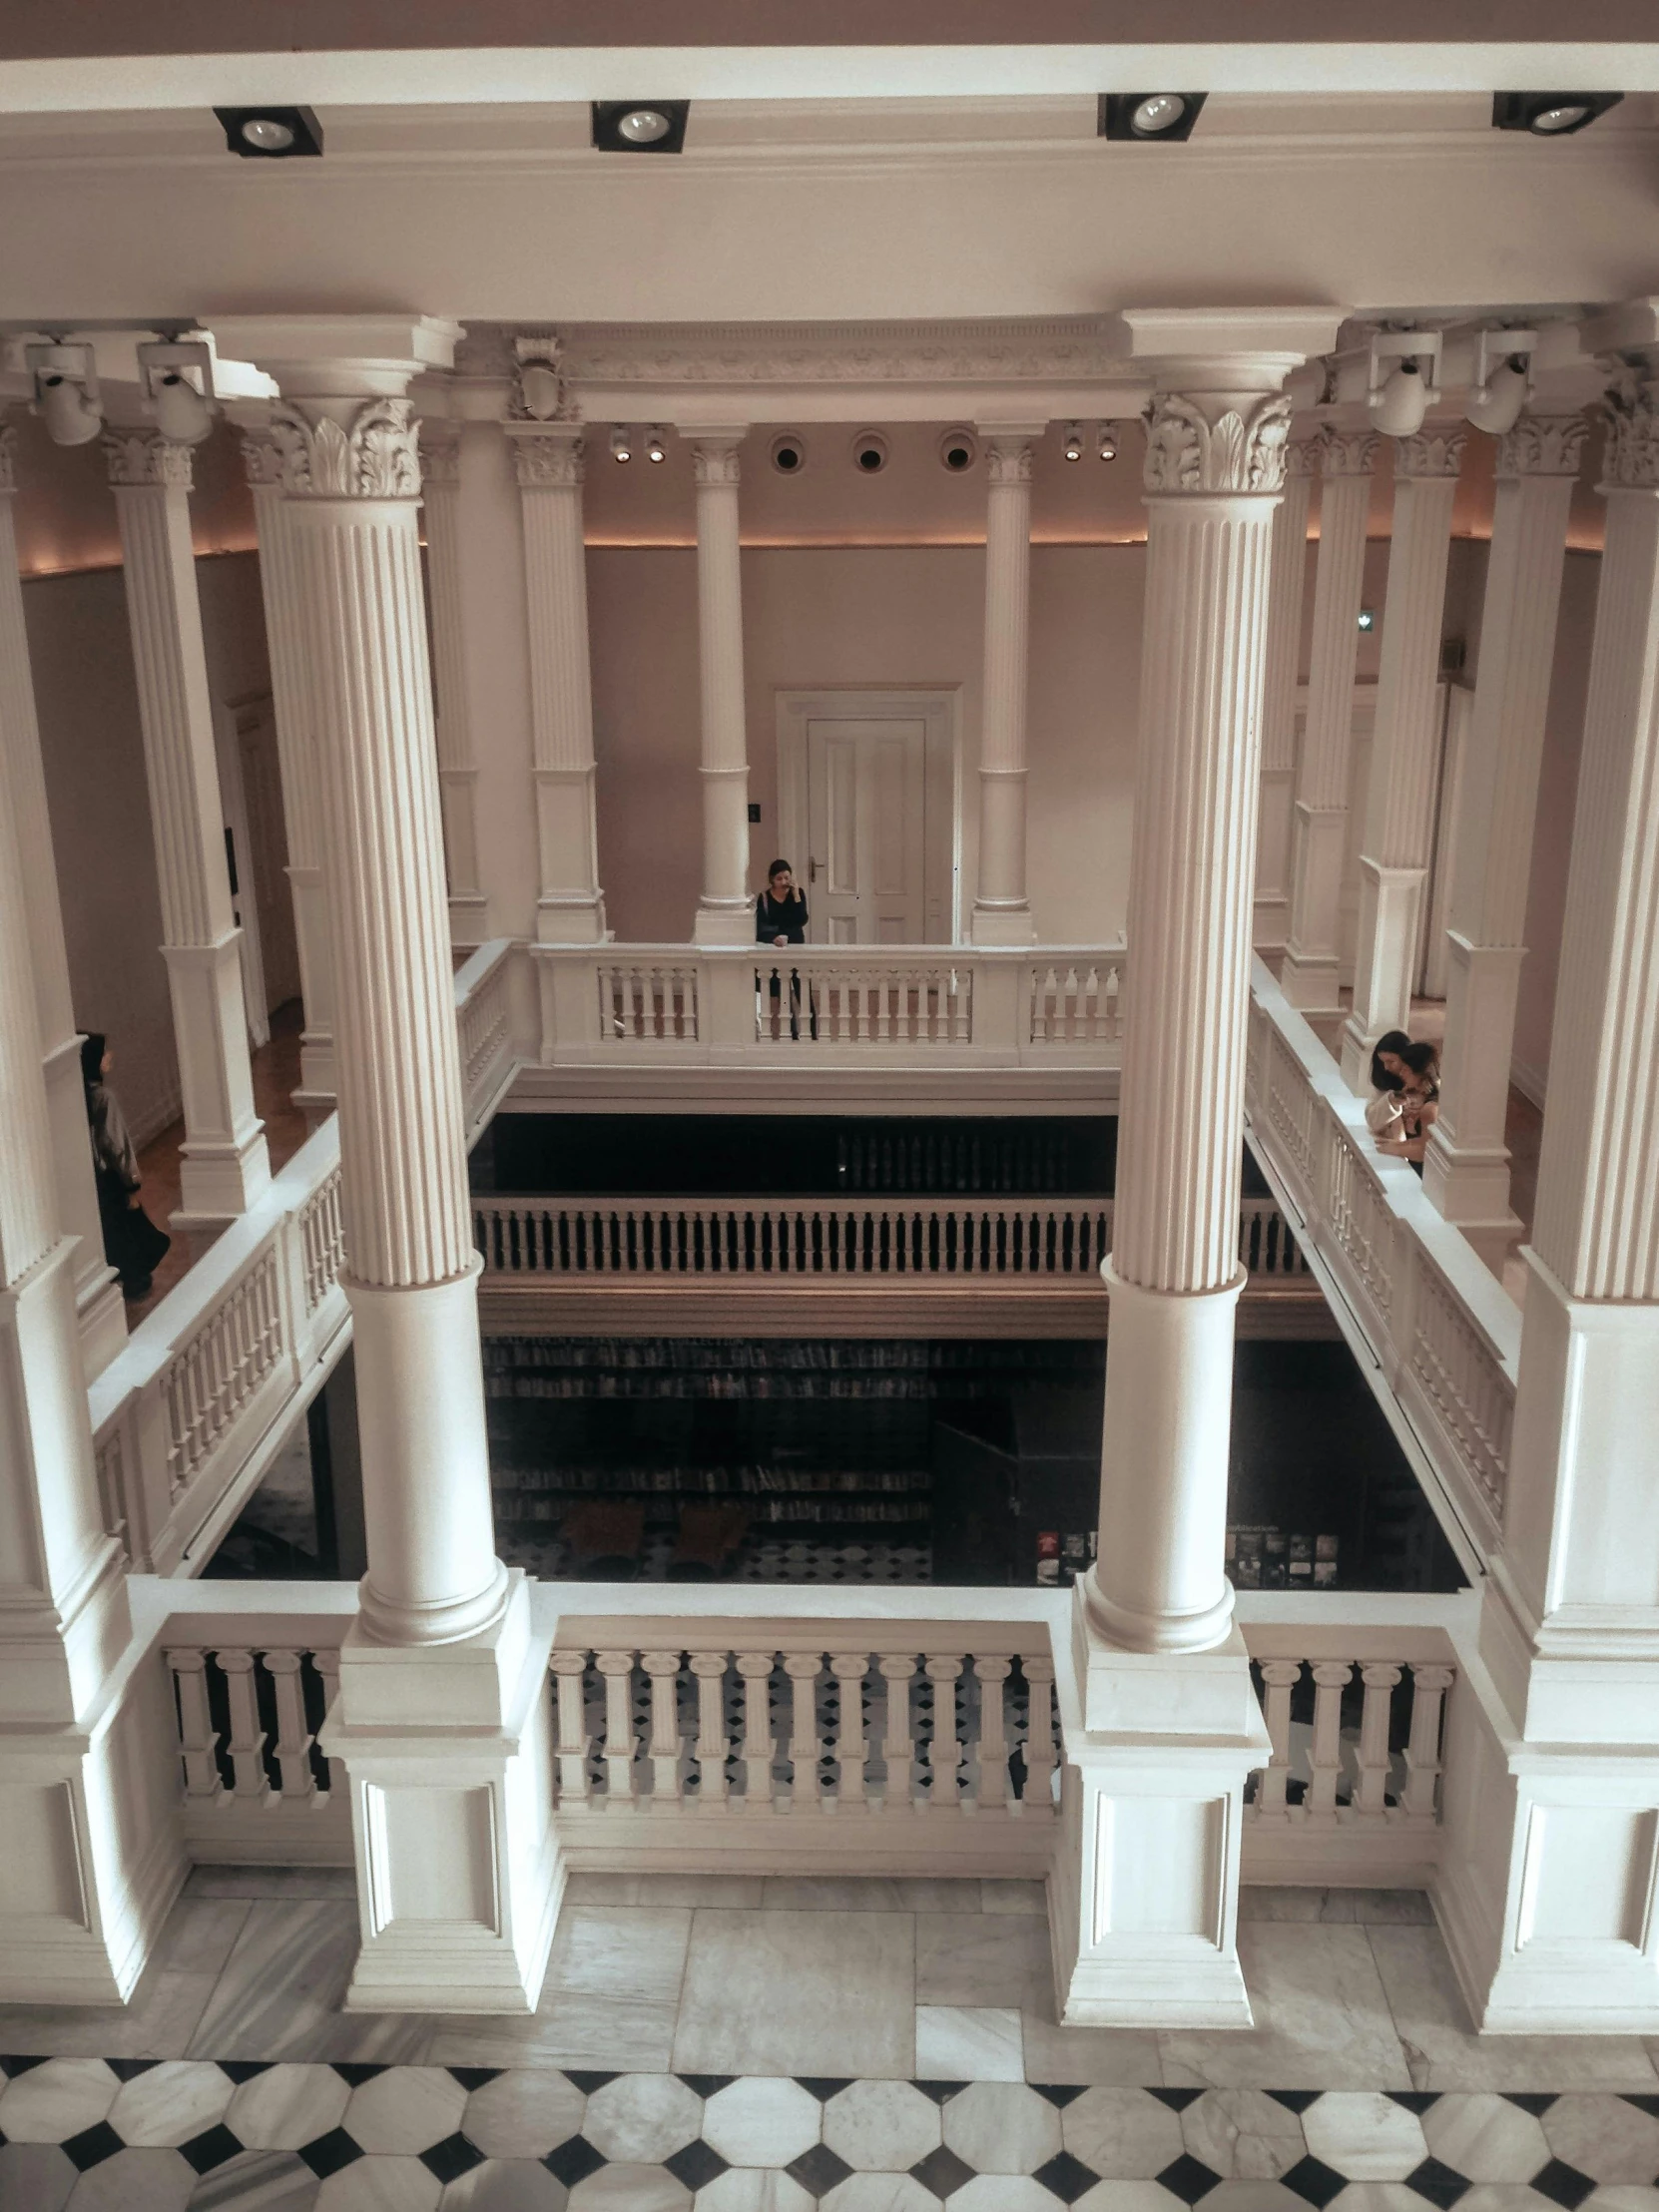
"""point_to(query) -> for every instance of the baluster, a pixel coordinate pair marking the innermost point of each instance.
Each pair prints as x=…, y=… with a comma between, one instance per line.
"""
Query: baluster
x=327, y=1664
x=851, y=1748
x=1279, y=1678
x=898, y=1741
x=709, y=1667
x=1371, y=1797
x=755, y=1668
x=945, y=1760
x=570, y=1674
x=1423, y=1747
x=804, y=1669
x=993, y=1753
x=617, y=1667
x=663, y=1671
x=1038, y=1671
x=246, y=1739
x=197, y=1737
x=961, y=991
x=1331, y=1678
x=294, y=1738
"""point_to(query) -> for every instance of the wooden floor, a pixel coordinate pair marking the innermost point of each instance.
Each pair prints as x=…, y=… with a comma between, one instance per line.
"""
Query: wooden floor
x=275, y=1075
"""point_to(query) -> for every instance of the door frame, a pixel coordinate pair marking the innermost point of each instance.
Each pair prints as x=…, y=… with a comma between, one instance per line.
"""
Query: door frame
x=938, y=708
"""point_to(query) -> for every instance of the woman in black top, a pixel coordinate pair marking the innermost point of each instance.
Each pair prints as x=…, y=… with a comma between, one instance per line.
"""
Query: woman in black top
x=781, y=919
x=133, y=1245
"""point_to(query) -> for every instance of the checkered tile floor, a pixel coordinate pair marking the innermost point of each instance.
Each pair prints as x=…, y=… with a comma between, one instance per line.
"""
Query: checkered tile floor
x=143, y=2135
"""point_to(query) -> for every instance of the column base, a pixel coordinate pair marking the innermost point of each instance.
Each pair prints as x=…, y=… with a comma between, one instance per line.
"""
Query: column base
x=997, y=925
x=572, y=921
x=469, y=920
x=1143, y=1899
x=219, y=1182
x=1469, y=1185
x=101, y=1320
x=1312, y=981
x=1270, y=922
x=449, y=1756
x=724, y=922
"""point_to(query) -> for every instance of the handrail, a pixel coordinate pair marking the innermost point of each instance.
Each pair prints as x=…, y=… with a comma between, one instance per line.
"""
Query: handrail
x=1442, y=1331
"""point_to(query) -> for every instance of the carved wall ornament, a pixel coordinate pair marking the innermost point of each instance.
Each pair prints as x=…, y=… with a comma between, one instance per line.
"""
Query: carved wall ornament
x=261, y=456
x=1346, y=452
x=541, y=359
x=1544, y=445
x=715, y=465
x=440, y=450
x=548, y=463
x=1008, y=460
x=373, y=458
x=1630, y=458
x=486, y=351
x=1059, y=349
x=145, y=457
x=8, y=456
x=1186, y=452
x=1430, y=453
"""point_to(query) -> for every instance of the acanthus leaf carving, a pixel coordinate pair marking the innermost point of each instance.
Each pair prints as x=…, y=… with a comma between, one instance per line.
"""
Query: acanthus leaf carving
x=1630, y=458
x=1544, y=445
x=1008, y=461
x=1430, y=453
x=715, y=465
x=145, y=457
x=8, y=456
x=261, y=456
x=1302, y=456
x=1187, y=453
x=547, y=463
x=1346, y=452
x=374, y=457
x=440, y=450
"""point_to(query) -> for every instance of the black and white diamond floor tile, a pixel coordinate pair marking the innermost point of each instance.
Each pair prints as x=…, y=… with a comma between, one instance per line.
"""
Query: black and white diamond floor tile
x=78, y=2135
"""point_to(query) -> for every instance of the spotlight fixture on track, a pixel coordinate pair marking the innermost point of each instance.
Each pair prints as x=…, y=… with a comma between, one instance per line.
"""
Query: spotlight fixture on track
x=1108, y=442
x=656, y=449
x=270, y=134
x=1503, y=379
x=177, y=380
x=1162, y=118
x=640, y=126
x=1401, y=394
x=1550, y=114
x=66, y=391
x=622, y=446
x=1072, y=445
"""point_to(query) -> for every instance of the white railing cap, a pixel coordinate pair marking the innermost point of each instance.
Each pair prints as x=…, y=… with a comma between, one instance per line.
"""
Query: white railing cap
x=478, y=966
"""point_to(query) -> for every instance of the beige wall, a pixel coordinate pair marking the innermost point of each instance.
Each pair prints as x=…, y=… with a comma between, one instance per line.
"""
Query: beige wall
x=854, y=618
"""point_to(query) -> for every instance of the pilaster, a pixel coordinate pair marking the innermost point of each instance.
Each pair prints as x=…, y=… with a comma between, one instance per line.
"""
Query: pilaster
x=297, y=761
x=1406, y=747
x=224, y=1164
x=1466, y=1168
x=724, y=915
x=549, y=458
x=441, y=461
x=1309, y=971
x=100, y=1313
x=1001, y=906
x=1289, y=569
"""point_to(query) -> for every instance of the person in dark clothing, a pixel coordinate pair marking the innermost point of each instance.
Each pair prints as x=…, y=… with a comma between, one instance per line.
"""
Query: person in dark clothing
x=133, y=1245
x=781, y=919
x=1418, y=1105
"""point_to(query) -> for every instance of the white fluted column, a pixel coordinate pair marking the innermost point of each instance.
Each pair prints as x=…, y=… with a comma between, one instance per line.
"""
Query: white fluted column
x=549, y=458
x=71, y=1928
x=1002, y=908
x=724, y=913
x=1406, y=747
x=1286, y=590
x=440, y=486
x=442, y=1714
x=1561, y=1823
x=297, y=761
x=224, y=1166
x=1466, y=1168
x=1309, y=971
x=1166, y=1728
x=100, y=1315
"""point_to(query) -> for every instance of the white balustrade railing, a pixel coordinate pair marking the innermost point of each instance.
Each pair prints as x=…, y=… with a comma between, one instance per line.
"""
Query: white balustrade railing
x=922, y=1235
x=904, y=1004
x=1443, y=1334
x=485, y=1030
x=852, y=1730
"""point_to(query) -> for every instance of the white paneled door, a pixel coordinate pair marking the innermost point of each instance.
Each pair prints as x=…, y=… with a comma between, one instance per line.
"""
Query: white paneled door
x=867, y=787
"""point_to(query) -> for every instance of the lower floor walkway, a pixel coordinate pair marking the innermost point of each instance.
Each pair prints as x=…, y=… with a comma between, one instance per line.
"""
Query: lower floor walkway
x=745, y=2045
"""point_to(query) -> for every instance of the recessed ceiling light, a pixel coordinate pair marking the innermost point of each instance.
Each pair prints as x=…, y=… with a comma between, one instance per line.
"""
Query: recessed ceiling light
x=1550, y=114
x=640, y=126
x=1367, y=618
x=270, y=134
x=1149, y=115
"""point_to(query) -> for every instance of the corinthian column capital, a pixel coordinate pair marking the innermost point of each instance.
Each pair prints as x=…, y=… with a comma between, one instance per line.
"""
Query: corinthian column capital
x=1631, y=458
x=440, y=450
x=348, y=449
x=715, y=464
x=1301, y=455
x=140, y=457
x=1430, y=453
x=8, y=457
x=1544, y=445
x=1346, y=452
x=548, y=458
x=261, y=457
x=1207, y=443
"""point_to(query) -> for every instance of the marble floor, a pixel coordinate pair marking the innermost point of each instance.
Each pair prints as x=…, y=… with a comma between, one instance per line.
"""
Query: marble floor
x=745, y=2044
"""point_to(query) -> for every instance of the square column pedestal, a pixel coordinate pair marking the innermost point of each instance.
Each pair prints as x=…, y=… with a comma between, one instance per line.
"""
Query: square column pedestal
x=1144, y=1895
x=448, y=1752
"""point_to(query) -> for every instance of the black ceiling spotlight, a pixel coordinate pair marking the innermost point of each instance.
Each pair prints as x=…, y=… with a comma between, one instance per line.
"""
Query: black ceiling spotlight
x=640, y=126
x=1164, y=116
x=1550, y=114
x=270, y=134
